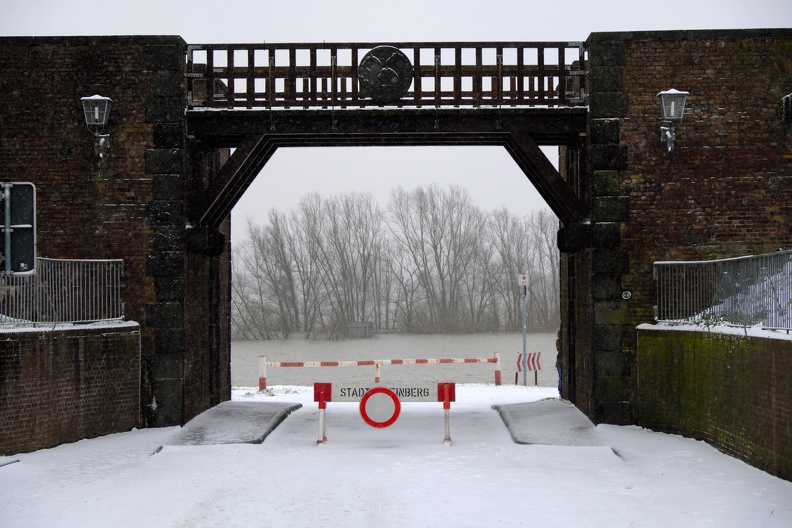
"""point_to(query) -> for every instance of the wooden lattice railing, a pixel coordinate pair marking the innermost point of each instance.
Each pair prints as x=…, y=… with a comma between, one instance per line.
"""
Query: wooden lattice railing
x=280, y=76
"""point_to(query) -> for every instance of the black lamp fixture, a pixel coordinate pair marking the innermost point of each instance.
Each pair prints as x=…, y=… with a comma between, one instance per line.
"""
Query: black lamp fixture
x=672, y=106
x=97, y=112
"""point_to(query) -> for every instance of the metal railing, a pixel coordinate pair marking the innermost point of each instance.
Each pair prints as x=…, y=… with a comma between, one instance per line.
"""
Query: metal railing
x=745, y=291
x=62, y=291
x=443, y=74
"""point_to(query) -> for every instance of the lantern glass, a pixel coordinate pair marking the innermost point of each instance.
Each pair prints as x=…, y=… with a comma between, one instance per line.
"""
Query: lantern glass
x=97, y=112
x=672, y=104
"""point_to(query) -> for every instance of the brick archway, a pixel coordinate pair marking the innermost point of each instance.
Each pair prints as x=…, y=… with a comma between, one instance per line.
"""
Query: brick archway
x=251, y=100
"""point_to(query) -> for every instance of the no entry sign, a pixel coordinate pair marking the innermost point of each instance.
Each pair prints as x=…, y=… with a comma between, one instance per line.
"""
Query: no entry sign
x=380, y=407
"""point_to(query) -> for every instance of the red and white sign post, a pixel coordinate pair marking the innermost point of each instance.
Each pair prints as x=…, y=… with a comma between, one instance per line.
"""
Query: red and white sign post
x=380, y=406
x=531, y=362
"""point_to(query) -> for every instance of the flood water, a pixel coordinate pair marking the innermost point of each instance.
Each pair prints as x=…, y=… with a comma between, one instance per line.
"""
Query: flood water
x=245, y=359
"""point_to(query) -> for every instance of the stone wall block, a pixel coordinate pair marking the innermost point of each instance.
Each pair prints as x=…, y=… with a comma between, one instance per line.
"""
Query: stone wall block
x=611, y=209
x=165, y=263
x=164, y=161
x=164, y=315
x=611, y=312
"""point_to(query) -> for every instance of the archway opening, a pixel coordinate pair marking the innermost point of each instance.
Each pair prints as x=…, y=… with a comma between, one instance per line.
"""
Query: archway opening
x=270, y=234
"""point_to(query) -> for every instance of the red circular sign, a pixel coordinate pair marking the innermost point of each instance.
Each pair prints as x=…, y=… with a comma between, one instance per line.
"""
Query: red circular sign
x=380, y=407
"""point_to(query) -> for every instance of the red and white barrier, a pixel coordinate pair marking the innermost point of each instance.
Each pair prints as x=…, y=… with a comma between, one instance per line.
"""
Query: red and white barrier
x=377, y=363
x=380, y=406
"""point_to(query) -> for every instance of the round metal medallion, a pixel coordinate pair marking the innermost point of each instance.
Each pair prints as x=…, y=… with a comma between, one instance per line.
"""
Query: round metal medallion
x=385, y=74
x=626, y=295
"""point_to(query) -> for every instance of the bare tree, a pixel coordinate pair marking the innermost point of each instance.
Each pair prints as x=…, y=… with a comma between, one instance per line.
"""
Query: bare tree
x=527, y=245
x=439, y=231
x=351, y=233
x=545, y=294
x=510, y=240
x=254, y=300
x=439, y=264
x=305, y=244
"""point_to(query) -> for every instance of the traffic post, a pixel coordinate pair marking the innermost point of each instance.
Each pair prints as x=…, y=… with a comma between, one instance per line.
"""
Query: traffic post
x=522, y=281
x=322, y=394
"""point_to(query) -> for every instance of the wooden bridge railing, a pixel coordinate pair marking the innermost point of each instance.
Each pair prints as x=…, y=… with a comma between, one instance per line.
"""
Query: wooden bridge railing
x=285, y=76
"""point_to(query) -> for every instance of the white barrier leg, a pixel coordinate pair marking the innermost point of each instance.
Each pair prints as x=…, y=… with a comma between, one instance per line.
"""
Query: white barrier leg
x=322, y=427
x=497, y=369
x=447, y=412
x=322, y=423
x=262, y=373
x=447, y=439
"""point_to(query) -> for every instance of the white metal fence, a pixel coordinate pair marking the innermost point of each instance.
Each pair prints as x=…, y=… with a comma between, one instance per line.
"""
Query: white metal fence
x=62, y=291
x=745, y=291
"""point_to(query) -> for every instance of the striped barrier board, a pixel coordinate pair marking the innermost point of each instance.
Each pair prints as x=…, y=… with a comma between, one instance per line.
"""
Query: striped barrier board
x=532, y=361
x=377, y=363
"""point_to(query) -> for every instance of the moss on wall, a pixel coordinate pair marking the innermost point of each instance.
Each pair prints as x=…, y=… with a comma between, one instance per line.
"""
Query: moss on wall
x=732, y=391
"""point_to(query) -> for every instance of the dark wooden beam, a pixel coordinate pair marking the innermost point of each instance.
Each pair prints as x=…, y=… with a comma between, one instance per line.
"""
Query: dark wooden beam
x=556, y=192
x=547, y=126
x=257, y=135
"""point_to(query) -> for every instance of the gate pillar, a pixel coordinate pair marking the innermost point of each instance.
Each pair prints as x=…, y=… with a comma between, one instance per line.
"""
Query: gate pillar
x=595, y=313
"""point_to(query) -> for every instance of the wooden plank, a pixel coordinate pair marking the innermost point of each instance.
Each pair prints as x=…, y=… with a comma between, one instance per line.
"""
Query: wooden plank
x=250, y=78
x=417, y=76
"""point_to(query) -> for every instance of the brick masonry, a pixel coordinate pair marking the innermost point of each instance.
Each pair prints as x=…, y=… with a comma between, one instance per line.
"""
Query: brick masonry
x=128, y=206
x=732, y=391
x=64, y=385
x=725, y=191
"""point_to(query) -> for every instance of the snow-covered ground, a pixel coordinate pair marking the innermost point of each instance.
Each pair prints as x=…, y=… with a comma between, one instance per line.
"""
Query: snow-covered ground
x=569, y=474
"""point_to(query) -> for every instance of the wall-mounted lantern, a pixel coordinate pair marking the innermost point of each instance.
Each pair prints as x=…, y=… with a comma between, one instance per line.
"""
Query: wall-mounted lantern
x=672, y=106
x=97, y=112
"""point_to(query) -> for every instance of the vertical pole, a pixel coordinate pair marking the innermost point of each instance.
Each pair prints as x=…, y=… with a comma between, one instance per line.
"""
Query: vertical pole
x=447, y=413
x=322, y=424
x=376, y=372
x=497, y=369
x=525, y=323
x=262, y=373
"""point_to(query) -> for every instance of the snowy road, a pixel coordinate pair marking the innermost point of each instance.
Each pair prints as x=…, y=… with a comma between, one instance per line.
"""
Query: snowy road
x=399, y=476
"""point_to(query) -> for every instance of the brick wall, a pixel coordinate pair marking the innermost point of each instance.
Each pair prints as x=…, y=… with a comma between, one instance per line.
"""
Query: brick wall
x=85, y=209
x=130, y=205
x=733, y=391
x=725, y=190
x=64, y=385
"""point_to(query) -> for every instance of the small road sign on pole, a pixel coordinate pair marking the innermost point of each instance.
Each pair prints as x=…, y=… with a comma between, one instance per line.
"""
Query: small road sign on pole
x=523, y=283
